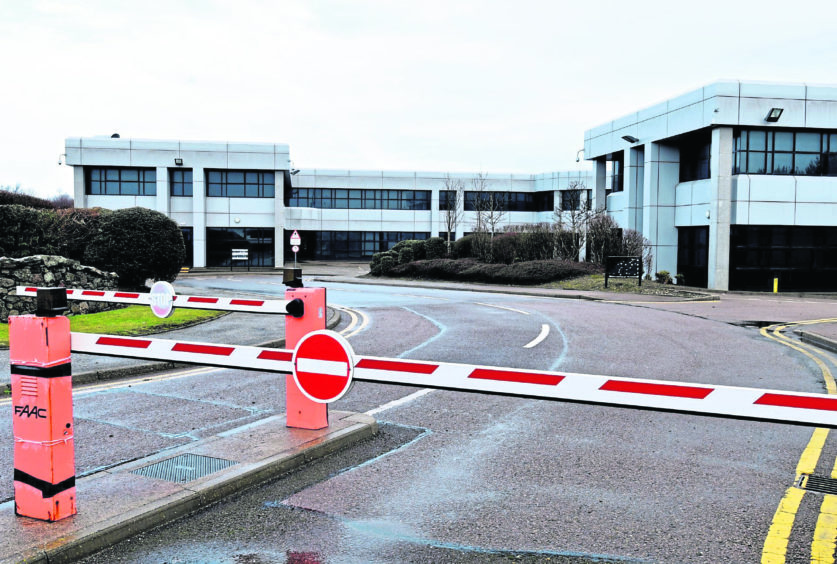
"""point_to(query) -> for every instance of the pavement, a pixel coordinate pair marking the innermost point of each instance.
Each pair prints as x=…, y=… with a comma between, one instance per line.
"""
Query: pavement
x=117, y=503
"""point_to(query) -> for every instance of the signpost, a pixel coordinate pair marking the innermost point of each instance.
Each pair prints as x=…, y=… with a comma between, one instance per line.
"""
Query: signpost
x=623, y=267
x=296, y=241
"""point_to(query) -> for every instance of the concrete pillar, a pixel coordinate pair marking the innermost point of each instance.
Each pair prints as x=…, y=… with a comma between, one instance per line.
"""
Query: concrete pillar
x=199, y=216
x=279, y=220
x=163, y=196
x=662, y=174
x=634, y=182
x=79, y=189
x=599, y=183
x=720, y=207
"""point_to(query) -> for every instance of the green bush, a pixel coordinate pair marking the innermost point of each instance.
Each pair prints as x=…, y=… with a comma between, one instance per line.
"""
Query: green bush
x=504, y=247
x=73, y=229
x=8, y=198
x=681, y=279
x=26, y=231
x=138, y=244
x=663, y=277
x=463, y=247
x=471, y=270
x=435, y=248
x=387, y=264
x=405, y=255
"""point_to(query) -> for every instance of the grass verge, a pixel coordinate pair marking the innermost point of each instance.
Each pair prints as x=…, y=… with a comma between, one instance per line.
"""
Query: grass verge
x=132, y=320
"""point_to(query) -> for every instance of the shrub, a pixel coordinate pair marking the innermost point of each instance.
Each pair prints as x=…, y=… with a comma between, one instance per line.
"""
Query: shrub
x=681, y=279
x=435, y=248
x=463, y=247
x=405, y=255
x=74, y=228
x=663, y=277
x=470, y=270
x=8, y=198
x=137, y=244
x=387, y=264
x=26, y=231
x=504, y=247
x=536, y=245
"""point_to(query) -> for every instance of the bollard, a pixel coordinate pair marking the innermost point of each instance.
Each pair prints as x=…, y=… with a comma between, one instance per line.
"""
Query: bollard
x=302, y=412
x=42, y=400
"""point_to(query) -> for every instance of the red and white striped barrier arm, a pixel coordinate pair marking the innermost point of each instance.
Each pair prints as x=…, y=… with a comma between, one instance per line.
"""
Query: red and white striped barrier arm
x=228, y=356
x=701, y=399
x=193, y=302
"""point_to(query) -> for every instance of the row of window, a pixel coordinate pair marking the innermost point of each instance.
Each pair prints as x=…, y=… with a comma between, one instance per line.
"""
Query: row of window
x=122, y=181
x=507, y=201
x=342, y=198
x=350, y=244
x=804, y=153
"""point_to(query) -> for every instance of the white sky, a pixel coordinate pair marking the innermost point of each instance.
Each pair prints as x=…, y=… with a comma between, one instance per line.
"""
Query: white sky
x=428, y=85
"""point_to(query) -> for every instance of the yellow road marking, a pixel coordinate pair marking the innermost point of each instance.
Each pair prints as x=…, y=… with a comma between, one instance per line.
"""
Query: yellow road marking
x=776, y=542
x=825, y=533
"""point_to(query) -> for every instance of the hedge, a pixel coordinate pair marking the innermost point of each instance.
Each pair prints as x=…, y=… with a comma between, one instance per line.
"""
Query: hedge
x=520, y=273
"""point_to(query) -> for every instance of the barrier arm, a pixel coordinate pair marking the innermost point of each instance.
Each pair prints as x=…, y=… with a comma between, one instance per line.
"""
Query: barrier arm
x=294, y=307
x=799, y=408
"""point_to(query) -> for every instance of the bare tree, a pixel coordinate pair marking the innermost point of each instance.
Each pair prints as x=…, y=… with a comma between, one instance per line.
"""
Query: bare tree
x=491, y=209
x=572, y=217
x=451, y=205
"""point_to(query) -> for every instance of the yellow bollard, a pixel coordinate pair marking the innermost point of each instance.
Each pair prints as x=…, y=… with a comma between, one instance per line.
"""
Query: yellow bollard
x=775, y=285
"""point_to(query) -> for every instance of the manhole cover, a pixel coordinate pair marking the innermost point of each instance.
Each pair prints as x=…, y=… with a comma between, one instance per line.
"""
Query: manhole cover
x=184, y=468
x=820, y=484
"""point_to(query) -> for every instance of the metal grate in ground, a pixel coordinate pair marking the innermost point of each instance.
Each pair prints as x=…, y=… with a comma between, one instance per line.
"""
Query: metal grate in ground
x=819, y=484
x=184, y=468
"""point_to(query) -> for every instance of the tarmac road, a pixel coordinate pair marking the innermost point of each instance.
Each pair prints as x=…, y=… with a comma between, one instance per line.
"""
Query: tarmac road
x=484, y=477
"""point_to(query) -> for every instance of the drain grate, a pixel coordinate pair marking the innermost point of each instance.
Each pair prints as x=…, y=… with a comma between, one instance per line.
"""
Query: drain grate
x=184, y=468
x=819, y=484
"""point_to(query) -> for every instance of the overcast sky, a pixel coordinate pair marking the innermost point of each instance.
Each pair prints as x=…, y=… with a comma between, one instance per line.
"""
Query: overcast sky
x=427, y=85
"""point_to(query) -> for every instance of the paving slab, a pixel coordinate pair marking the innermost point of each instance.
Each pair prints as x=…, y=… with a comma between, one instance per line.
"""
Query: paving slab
x=118, y=503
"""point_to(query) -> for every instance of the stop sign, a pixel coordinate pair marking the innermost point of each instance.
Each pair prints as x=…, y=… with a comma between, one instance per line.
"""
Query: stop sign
x=323, y=365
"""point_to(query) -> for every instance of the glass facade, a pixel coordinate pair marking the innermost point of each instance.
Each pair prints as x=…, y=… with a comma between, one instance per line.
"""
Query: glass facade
x=344, y=198
x=802, y=153
x=575, y=200
x=189, y=242
x=615, y=173
x=693, y=255
x=121, y=181
x=348, y=244
x=180, y=181
x=510, y=201
x=240, y=184
x=802, y=258
x=220, y=241
x=695, y=156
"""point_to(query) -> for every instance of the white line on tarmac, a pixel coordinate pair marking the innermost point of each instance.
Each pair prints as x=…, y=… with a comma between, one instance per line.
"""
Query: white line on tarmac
x=537, y=340
x=503, y=307
x=401, y=401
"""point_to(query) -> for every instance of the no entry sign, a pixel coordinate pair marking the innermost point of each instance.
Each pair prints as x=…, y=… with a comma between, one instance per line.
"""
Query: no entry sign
x=323, y=366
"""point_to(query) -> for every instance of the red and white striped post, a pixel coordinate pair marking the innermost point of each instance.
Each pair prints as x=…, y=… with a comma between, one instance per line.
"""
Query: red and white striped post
x=42, y=413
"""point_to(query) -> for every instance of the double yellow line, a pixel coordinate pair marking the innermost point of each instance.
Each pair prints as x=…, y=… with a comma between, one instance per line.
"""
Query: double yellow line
x=824, y=541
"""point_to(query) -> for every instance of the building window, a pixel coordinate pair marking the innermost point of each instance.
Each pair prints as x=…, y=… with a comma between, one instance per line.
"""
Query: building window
x=802, y=153
x=111, y=181
x=220, y=241
x=240, y=184
x=180, y=181
x=509, y=201
x=694, y=156
x=189, y=242
x=575, y=200
x=349, y=244
x=615, y=171
x=344, y=198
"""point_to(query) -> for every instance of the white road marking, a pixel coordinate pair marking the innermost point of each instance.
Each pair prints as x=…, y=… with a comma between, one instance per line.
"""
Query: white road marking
x=400, y=401
x=503, y=307
x=537, y=340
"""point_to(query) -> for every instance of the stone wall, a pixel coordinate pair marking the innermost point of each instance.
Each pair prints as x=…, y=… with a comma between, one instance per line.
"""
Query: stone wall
x=45, y=271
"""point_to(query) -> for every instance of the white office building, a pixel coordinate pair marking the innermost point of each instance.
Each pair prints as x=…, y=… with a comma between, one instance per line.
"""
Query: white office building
x=734, y=184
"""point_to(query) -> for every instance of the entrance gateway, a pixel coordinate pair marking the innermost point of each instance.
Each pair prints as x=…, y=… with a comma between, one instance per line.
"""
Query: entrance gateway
x=323, y=366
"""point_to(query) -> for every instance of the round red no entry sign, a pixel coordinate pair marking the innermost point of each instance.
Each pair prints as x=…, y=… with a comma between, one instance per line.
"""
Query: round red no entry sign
x=323, y=365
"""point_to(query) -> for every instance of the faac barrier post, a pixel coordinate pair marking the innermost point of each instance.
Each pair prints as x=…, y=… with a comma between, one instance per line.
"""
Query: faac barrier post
x=42, y=400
